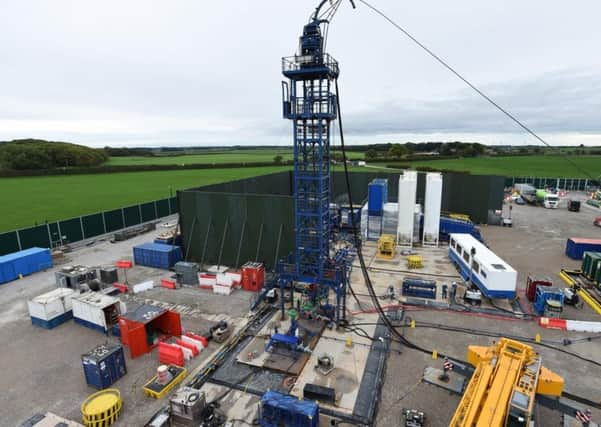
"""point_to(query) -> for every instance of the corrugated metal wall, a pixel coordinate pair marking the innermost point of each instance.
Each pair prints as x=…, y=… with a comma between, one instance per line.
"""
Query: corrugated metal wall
x=228, y=224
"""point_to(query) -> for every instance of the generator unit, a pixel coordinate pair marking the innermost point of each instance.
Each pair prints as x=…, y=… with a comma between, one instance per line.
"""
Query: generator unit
x=419, y=288
x=74, y=277
x=187, y=407
x=109, y=275
x=279, y=409
x=186, y=273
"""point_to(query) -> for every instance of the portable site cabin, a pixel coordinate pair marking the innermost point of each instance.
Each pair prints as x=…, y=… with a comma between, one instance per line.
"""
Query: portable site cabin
x=493, y=276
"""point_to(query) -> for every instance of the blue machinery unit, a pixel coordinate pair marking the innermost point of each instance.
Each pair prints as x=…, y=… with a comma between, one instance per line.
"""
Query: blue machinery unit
x=278, y=409
x=310, y=102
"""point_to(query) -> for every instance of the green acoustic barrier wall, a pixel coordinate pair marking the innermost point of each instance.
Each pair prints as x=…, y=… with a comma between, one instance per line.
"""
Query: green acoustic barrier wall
x=235, y=228
x=71, y=230
x=132, y=215
x=162, y=208
x=148, y=211
x=114, y=220
x=35, y=236
x=9, y=242
x=93, y=225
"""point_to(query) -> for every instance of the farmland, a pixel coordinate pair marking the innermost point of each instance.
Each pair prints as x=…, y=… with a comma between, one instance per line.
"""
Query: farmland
x=540, y=166
x=212, y=156
x=37, y=199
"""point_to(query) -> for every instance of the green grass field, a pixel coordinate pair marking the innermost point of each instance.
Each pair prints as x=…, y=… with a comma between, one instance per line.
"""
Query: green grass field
x=37, y=199
x=540, y=166
x=222, y=156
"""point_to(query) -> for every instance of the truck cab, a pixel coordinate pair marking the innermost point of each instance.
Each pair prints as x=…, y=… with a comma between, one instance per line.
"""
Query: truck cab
x=551, y=201
x=547, y=199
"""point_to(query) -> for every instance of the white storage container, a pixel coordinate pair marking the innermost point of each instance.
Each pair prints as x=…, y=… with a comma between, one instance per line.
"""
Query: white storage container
x=96, y=311
x=52, y=308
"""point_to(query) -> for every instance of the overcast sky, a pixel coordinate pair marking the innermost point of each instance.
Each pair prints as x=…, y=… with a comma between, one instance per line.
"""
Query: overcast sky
x=208, y=73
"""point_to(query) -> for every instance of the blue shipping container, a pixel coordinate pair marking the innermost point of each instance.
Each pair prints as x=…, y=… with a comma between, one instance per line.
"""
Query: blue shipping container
x=278, y=409
x=157, y=255
x=24, y=263
x=377, y=195
x=453, y=225
x=104, y=365
x=576, y=247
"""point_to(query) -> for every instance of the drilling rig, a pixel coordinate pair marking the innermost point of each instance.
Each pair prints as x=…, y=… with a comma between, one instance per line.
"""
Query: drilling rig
x=310, y=101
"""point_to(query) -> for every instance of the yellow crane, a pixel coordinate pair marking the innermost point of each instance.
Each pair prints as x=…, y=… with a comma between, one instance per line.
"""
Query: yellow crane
x=504, y=385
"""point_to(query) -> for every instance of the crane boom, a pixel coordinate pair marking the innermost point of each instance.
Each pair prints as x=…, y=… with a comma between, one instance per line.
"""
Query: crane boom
x=503, y=387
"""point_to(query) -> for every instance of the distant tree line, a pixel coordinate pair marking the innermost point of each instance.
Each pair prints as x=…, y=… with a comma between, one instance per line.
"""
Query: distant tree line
x=415, y=151
x=31, y=154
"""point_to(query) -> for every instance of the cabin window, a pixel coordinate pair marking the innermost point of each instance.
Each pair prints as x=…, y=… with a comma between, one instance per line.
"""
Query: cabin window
x=452, y=243
x=476, y=267
x=466, y=256
x=483, y=273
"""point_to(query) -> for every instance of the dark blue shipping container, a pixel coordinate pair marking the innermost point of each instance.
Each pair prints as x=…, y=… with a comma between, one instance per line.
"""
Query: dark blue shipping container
x=24, y=263
x=576, y=247
x=278, y=409
x=157, y=255
x=377, y=195
x=453, y=225
x=104, y=365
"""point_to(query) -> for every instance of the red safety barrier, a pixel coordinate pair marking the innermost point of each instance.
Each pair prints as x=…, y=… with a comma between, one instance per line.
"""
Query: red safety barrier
x=169, y=284
x=124, y=264
x=552, y=323
x=123, y=288
x=189, y=346
x=200, y=338
x=171, y=354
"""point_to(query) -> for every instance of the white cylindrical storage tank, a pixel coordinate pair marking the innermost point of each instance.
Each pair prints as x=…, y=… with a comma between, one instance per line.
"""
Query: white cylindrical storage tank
x=406, y=206
x=432, y=208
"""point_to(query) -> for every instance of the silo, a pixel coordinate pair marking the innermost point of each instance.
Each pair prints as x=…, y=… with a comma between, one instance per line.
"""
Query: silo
x=405, y=225
x=432, y=208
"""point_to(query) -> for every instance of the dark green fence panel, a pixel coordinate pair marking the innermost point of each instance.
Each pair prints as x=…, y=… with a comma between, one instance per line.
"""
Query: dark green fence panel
x=162, y=207
x=132, y=215
x=71, y=230
x=9, y=242
x=148, y=211
x=54, y=234
x=114, y=220
x=172, y=205
x=93, y=225
x=35, y=236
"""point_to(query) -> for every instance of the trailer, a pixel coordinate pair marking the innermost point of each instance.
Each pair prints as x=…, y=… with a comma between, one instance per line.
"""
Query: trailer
x=482, y=267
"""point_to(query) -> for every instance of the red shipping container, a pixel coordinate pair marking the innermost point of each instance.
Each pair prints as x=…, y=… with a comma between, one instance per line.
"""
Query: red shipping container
x=189, y=346
x=253, y=276
x=136, y=325
x=171, y=354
